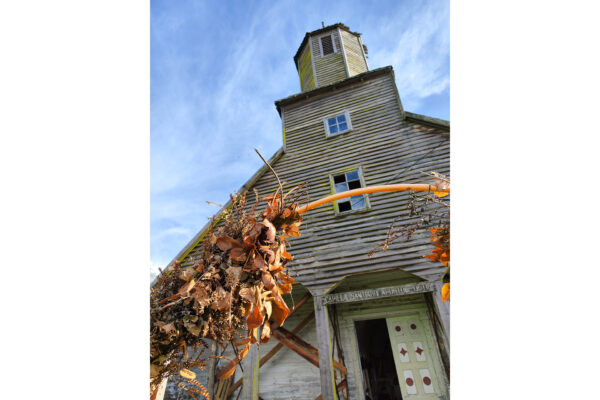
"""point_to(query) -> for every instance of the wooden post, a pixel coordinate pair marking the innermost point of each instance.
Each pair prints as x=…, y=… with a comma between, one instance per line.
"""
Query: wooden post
x=251, y=364
x=328, y=390
x=443, y=308
x=212, y=363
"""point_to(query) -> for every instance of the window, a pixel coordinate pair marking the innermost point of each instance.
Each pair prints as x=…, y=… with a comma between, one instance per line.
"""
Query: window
x=338, y=124
x=327, y=45
x=348, y=181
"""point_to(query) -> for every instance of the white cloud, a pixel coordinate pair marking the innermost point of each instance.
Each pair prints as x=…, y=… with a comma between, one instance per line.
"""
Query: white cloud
x=420, y=53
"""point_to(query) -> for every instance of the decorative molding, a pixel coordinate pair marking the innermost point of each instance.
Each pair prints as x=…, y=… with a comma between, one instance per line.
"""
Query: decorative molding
x=388, y=291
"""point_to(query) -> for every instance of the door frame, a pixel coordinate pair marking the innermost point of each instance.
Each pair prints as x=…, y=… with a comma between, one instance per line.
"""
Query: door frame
x=350, y=339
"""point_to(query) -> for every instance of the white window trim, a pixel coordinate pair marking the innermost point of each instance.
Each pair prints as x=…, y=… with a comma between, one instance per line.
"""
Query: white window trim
x=335, y=50
x=363, y=185
x=348, y=122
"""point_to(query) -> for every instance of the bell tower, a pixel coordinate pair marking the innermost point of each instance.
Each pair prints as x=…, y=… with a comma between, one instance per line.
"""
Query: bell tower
x=328, y=55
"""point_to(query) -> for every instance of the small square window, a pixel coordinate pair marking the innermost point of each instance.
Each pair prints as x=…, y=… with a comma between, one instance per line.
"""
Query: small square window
x=349, y=181
x=338, y=124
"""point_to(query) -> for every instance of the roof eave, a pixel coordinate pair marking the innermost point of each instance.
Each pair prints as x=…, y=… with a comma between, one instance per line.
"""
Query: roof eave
x=332, y=87
x=424, y=119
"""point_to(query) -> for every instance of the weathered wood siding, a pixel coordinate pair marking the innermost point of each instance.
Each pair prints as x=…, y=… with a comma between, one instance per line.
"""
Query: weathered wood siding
x=354, y=53
x=330, y=68
x=389, y=148
x=287, y=375
x=305, y=70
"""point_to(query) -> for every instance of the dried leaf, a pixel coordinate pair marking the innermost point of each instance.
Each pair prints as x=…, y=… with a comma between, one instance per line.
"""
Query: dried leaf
x=227, y=371
x=185, y=289
x=256, y=318
x=446, y=292
x=280, y=309
x=259, y=264
x=221, y=299
x=226, y=242
x=268, y=309
x=186, y=373
x=266, y=333
x=268, y=280
x=285, y=287
x=237, y=254
x=287, y=255
x=271, y=231
x=244, y=350
x=187, y=274
x=169, y=328
x=249, y=294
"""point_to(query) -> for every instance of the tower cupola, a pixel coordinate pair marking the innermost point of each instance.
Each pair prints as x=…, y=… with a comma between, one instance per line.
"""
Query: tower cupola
x=329, y=55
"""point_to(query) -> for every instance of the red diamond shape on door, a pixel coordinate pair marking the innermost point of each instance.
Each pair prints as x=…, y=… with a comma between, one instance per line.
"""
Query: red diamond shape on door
x=403, y=351
x=419, y=350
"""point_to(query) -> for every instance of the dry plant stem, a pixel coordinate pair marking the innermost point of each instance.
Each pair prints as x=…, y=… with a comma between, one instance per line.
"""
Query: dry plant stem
x=370, y=189
x=272, y=170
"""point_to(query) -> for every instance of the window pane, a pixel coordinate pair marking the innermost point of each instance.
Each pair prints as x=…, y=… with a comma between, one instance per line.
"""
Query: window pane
x=344, y=206
x=358, y=202
x=339, y=178
x=331, y=121
x=333, y=129
x=341, y=187
x=341, y=118
x=343, y=127
x=354, y=185
x=351, y=176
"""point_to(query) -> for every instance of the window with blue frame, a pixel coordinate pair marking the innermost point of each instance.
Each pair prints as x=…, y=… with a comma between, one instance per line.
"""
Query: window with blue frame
x=348, y=181
x=338, y=124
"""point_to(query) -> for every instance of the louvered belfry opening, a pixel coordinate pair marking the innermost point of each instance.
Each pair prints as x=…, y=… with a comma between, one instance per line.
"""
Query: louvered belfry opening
x=327, y=44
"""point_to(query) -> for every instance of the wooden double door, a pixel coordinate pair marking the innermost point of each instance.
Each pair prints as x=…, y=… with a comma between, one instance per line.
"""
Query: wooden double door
x=416, y=358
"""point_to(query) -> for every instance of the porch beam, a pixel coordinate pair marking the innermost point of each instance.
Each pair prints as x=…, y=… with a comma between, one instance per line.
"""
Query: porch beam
x=308, y=356
x=310, y=348
x=378, y=293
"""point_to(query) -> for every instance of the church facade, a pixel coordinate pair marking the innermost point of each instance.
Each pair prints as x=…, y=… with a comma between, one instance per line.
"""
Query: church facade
x=362, y=327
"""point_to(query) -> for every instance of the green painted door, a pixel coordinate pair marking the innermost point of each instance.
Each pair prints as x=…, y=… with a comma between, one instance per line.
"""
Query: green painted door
x=417, y=361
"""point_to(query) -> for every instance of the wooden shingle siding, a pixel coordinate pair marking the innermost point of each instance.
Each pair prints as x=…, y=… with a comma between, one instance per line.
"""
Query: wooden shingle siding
x=329, y=68
x=354, y=53
x=389, y=149
x=305, y=70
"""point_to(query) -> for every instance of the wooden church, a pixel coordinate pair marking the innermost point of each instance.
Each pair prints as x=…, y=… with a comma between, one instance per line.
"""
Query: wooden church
x=361, y=327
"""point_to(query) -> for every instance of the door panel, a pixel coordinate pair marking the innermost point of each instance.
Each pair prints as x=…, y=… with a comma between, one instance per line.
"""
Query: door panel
x=417, y=363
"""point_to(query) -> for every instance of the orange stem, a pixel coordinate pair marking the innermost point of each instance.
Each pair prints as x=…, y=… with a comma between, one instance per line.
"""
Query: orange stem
x=371, y=189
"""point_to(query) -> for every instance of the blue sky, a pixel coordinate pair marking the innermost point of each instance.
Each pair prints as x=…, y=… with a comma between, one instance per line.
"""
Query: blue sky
x=217, y=68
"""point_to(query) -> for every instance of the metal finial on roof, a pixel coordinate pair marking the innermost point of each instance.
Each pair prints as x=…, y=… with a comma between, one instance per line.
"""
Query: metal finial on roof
x=323, y=24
